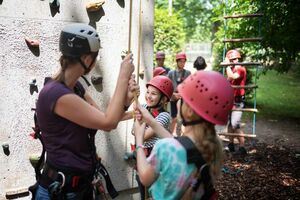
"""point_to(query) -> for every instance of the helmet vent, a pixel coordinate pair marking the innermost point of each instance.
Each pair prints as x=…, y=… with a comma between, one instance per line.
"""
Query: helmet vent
x=197, y=86
x=216, y=97
x=81, y=31
x=90, y=33
x=216, y=103
x=206, y=89
x=207, y=112
x=215, y=116
x=211, y=99
x=201, y=90
x=202, y=85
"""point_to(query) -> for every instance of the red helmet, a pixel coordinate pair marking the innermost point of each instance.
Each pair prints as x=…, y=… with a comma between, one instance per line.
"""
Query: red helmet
x=163, y=84
x=209, y=94
x=232, y=54
x=158, y=71
x=180, y=55
x=160, y=55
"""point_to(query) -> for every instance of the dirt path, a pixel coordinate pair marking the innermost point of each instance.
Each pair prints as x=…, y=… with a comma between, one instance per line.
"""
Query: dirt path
x=280, y=132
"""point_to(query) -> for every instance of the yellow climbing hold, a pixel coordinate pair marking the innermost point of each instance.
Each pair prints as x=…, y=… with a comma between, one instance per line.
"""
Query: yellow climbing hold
x=94, y=5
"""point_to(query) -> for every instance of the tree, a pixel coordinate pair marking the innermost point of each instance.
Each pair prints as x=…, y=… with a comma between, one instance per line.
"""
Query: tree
x=196, y=16
x=169, y=35
x=279, y=28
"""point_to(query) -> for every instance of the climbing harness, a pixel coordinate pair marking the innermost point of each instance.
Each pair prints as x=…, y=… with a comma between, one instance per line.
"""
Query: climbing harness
x=61, y=181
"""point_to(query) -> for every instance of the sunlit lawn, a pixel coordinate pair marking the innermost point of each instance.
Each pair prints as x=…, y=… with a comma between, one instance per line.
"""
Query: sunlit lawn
x=278, y=96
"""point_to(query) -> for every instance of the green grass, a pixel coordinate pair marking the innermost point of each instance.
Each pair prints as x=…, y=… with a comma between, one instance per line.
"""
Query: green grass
x=278, y=96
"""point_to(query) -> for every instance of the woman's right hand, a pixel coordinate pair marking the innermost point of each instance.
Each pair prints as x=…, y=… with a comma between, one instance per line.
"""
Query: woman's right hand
x=127, y=66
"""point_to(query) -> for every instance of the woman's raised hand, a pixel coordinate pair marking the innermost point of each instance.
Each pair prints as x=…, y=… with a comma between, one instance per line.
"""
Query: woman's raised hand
x=127, y=66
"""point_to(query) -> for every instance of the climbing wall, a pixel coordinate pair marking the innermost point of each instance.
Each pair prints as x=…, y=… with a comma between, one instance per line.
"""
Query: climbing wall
x=20, y=64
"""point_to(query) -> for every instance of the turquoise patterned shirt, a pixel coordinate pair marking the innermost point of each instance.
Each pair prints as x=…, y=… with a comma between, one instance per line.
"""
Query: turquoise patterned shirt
x=169, y=160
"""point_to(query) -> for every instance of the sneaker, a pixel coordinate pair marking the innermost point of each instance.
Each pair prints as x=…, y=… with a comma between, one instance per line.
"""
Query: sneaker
x=231, y=147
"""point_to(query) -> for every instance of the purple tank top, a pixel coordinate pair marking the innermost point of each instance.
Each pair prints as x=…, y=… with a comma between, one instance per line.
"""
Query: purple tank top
x=66, y=143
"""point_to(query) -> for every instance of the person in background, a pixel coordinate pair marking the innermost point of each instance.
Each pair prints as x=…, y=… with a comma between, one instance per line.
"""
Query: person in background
x=236, y=74
x=69, y=118
x=160, y=60
x=159, y=71
x=199, y=63
x=177, y=76
x=170, y=171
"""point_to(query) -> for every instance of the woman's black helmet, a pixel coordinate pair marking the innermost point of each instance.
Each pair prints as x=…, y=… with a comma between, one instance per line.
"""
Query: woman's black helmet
x=78, y=39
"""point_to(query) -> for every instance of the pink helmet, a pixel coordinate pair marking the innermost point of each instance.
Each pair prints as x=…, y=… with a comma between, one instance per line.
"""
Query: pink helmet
x=180, y=55
x=160, y=55
x=158, y=71
x=163, y=84
x=232, y=54
x=209, y=94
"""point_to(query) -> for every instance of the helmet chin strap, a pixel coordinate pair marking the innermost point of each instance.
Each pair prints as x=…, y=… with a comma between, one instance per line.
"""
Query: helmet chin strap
x=184, y=122
x=87, y=69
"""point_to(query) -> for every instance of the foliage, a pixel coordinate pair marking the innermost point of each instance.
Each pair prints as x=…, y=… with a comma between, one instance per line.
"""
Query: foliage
x=169, y=35
x=196, y=15
x=279, y=27
x=278, y=96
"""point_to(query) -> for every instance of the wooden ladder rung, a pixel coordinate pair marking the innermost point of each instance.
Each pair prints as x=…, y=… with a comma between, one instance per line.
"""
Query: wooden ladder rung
x=245, y=109
x=241, y=63
x=244, y=16
x=236, y=134
x=258, y=39
x=16, y=193
x=245, y=87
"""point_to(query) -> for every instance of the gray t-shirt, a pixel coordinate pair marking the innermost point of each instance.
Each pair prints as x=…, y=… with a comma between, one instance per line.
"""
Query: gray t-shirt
x=178, y=76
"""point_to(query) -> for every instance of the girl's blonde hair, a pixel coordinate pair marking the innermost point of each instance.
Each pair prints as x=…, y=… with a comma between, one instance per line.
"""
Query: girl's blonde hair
x=210, y=146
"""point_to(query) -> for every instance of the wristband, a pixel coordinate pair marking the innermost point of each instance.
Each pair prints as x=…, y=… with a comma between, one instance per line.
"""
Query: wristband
x=139, y=147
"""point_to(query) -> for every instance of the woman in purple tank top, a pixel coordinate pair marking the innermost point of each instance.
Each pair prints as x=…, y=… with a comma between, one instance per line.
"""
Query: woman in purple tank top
x=68, y=117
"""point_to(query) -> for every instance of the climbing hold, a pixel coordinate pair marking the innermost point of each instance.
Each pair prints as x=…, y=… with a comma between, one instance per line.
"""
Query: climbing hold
x=34, y=159
x=94, y=5
x=54, y=3
x=5, y=147
x=32, y=43
x=33, y=87
x=97, y=81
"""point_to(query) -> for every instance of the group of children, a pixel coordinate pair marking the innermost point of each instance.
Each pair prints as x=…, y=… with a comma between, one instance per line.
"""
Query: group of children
x=203, y=100
x=184, y=167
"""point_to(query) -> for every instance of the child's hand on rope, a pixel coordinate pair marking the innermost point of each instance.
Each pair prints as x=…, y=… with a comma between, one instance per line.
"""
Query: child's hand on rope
x=142, y=114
